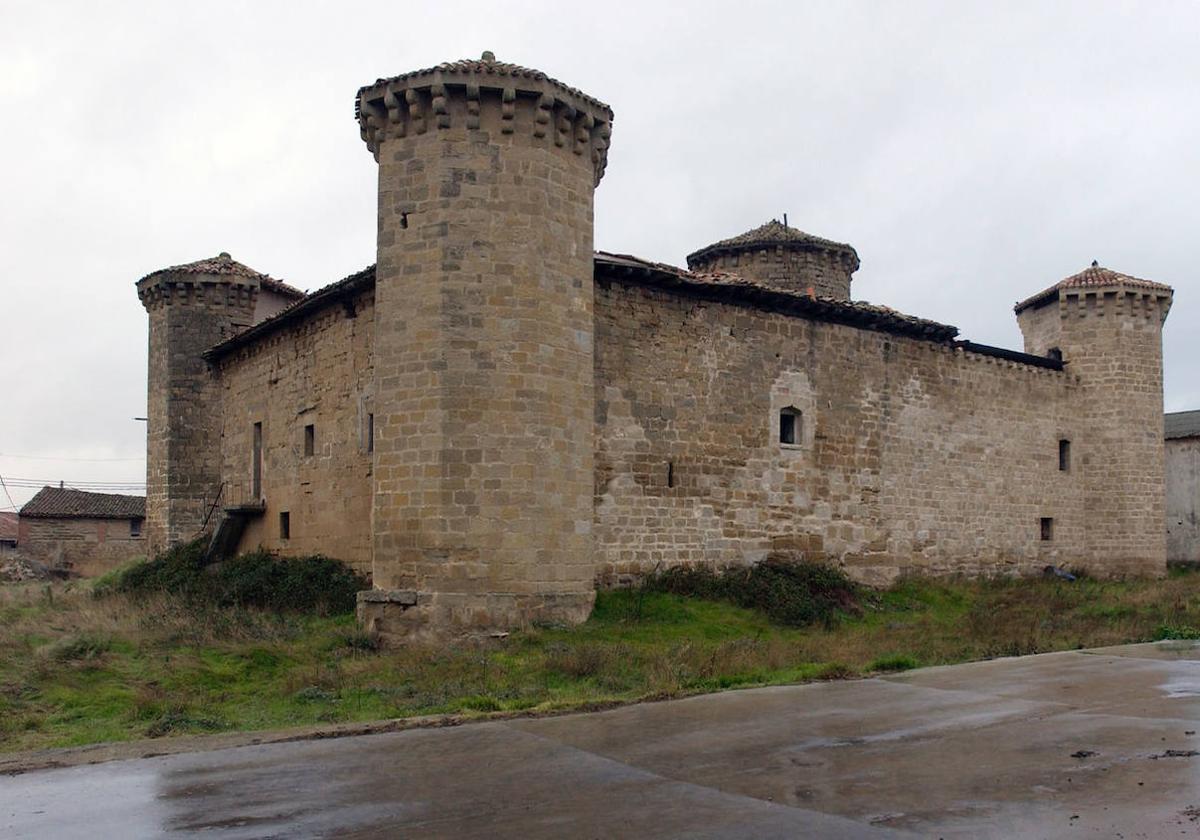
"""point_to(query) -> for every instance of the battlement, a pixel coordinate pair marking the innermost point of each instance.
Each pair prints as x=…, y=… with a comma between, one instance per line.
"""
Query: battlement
x=482, y=95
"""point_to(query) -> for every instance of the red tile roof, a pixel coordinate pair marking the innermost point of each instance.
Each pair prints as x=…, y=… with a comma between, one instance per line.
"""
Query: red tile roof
x=1093, y=276
x=64, y=503
x=223, y=264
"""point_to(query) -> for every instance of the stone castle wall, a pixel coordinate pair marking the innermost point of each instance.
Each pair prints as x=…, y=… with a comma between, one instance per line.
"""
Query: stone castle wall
x=84, y=547
x=1183, y=500
x=911, y=455
x=318, y=372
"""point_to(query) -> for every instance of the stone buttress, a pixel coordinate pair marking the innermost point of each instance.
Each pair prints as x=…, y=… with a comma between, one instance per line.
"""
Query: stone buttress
x=483, y=454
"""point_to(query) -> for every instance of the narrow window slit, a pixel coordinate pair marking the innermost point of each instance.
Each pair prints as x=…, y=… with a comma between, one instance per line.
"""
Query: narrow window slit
x=670, y=473
x=256, y=463
x=1064, y=455
x=310, y=439
x=285, y=525
x=1047, y=528
x=789, y=426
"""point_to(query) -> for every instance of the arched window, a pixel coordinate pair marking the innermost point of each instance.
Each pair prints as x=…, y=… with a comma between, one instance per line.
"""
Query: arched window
x=790, y=428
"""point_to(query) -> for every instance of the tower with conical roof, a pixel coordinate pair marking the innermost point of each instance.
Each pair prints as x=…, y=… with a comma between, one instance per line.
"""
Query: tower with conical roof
x=785, y=258
x=483, y=358
x=1106, y=327
x=191, y=308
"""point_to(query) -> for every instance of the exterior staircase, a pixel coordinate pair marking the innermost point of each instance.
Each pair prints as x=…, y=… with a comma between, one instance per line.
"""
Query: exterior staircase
x=229, y=530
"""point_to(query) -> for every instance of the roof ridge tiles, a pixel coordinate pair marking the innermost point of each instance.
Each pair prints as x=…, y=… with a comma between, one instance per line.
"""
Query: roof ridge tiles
x=67, y=503
x=773, y=233
x=1094, y=276
x=225, y=265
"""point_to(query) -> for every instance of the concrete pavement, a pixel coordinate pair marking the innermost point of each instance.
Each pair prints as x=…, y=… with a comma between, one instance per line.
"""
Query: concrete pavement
x=1083, y=744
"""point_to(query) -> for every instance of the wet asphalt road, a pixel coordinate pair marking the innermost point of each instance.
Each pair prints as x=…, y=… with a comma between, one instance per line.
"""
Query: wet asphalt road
x=1082, y=744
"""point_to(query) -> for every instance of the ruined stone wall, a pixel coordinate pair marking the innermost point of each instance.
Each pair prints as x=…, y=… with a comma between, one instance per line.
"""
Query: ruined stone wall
x=1183, y=500
x=316, y=372
x=84, y=547
x=910, y=455
x=791, y=269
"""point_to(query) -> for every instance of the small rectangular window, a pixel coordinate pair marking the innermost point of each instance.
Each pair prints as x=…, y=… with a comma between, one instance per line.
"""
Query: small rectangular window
x=310, y=439
x=285, y=525
x=1047, y=528
x=1064, y=455
x=370, y=432
x=256, y=463
x=135, y=527
x=789, y=426
x=670, y=473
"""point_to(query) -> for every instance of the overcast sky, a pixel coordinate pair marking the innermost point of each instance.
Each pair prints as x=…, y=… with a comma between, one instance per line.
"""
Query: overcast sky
x=973, y=153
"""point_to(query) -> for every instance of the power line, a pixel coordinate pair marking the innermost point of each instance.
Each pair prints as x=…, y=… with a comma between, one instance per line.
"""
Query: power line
x=56, y=458
x=6, y=493
x=41, y=482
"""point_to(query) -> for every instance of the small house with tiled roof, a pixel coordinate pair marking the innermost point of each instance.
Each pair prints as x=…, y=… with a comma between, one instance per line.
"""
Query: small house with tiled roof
x=81, y=533
x=494, y=418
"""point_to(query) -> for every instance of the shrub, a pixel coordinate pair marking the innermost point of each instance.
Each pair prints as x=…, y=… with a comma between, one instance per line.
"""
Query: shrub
x=1170, y=631
x=257, y=579
x=896, y=662
x=789, y=592
x=85, y=646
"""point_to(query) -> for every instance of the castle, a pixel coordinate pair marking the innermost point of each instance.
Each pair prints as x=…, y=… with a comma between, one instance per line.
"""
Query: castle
x=493, y=419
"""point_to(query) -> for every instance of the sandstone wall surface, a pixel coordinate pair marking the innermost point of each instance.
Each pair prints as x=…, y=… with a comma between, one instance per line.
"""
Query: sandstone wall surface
x=316, y=372
x=910, y=455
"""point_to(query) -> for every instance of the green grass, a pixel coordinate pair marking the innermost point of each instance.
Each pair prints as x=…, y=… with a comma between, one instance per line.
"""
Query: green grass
x=75, y=669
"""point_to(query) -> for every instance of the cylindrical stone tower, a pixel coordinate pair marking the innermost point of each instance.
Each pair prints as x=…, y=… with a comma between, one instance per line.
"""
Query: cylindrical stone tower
x=1106, y=327
x=191, y=308
x=785, y=258
x=483, y=347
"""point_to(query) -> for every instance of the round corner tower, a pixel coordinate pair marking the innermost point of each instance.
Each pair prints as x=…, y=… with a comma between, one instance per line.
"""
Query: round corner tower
x=784, y=258
x=191, y=308
x=483, y=352
x=1106, y=328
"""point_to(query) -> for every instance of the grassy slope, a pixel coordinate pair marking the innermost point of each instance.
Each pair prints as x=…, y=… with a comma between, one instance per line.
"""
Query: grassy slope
x=77, y=670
